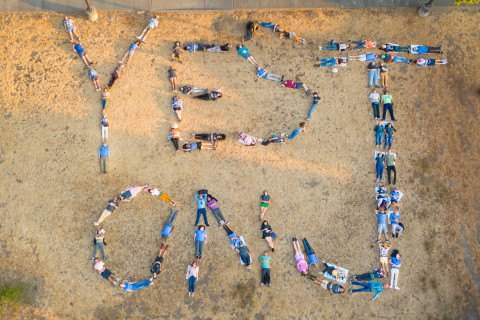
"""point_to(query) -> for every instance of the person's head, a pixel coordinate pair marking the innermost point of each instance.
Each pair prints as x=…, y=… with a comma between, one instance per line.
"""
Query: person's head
x=239, y=46
x=341, y=289
x=229, y=45
x=398, y=255
x=265, y=222
x=371, y=63
x=221, y=136
x=389, y=125
x=187, y=47
x=258, y=67
x=174, y=126
x=265, y=253
x=382, y=209
x=100, y=231
x=137, y=42
x=335, y=272
x=384, y=46
x=302, y=124
x=386, y=245
x=177, y=43
x=386, y=286
x=381, y=64
x=380, y=154
x=194, y=263
x=315, y=94
x=219, y=95
x=65, y=18
x=265, y=192
x=389, y=151
x=122, y=285
x=186, y=146
x=104, y=143
x=348, y=46
x=385, y=91
x=201, y=227
x=115, y=198
x=374, y=91
x=200, y=196
x=174, y=98
x=95, y=260
x=415, y=61
x=104, y=114
x=171, y=67
x=156, y=17
x=304, y=272
x=340, y=60
x=105, y=89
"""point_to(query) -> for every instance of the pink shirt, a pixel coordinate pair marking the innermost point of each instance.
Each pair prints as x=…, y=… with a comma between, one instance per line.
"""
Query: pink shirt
x=290, y=84
x=301, y=263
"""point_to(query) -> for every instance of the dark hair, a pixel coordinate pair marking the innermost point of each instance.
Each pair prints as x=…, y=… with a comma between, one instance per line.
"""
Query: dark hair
x=340, y=60
x=385, y=91
x=264, y=221
x=315, y=93
x=394, y=253
x=185, y=48
x=219, y=94
x=201, y=226
x=302, y=124
x=186, y=145
x=212, y=197
x=137, y=42
x=221, y=136
x=238, y=46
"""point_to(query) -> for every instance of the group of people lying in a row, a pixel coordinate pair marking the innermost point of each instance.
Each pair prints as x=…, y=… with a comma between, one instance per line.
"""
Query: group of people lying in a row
x=252, y=27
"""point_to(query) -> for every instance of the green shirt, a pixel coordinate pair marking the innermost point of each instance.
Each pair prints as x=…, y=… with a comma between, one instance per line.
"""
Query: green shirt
x=266, y=264
x=387, y=98
x=390, y=160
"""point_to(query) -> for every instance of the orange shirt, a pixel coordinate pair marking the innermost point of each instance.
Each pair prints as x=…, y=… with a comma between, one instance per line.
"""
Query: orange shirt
x=370, y=44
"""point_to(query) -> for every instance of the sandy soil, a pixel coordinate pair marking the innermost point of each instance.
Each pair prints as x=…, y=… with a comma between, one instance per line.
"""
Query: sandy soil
x=321, y=183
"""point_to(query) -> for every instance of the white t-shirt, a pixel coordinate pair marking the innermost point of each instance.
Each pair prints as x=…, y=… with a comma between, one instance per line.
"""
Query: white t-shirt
x=155, y=192
x=342, y=46
x=374, y=97
x=99, y=266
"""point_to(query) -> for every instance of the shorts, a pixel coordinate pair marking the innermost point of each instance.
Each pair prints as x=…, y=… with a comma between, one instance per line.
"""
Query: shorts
x=177, y=109
x=174, y=77
x=94, y=78
x=292, y=34
x=264, y=205
x=362, y=58
x=324, y=284
x=176, y=55
x=383, y=260
x=299, y=85
x=159, y=259
x=248, y=55
x=81, y=54
x=382, y=227
x=70, y=29
x=150, y=27
x=106, y=273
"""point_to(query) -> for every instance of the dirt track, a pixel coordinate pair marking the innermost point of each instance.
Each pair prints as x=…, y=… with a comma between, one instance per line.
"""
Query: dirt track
x=321, y=183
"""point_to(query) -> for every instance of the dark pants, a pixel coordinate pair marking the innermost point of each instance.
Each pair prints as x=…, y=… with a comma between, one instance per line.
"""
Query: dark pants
x=112, y=81
x=366, y=287
x=175, y=142
x=191, y=284
x=104, y=102
x=389, y=170
x=248, y=36
x=172, y=217
x=328, y=269
x=266, y=275
x=308, y=248
x=204, y=96
x=199, y=213
x=227, y=229
x=389, y=107
x=218, y=215
x=364, y=277
x=203, y=136
x=376, y=110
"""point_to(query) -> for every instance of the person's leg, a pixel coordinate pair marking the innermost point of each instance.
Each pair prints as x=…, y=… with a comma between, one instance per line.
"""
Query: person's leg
x=390, y=109
x=308, y=248
x=366, y=286
x=104, y=102
x=191, y=284
x=199, y=213
x=197, y=248
x=248, y=36
x=371, y=74
x=227, y=229
x=375, y=78
x=146, y=34
x=97, y=245
x=363, y=277
x=198, y=90
x=70, y=33
x=264, y=272
x=332, y=47
x=390, y=140
x=394, y=175
x=312, y=108
x=273, y=77
x=100, y=245
x=175, y=143
x=128, y=58
x=269, y=241
x=377, y=170
x=383, y=79
x=295, y=133
x=204, y=212
x=172, y=83
x=165, y=197
x=200, y=248
x=389, y=170
x=382, y=168
x=202, y=136
x=400, y=229
x=252, y=60
x=378, y=138
x=104, y=214
x=386, y=141
x=385, y=107
x=267, y=276
x=104, y=133
x=215, y=214
x=267, y=24
x=392, y=275
x=219, y=212
x=103, y=168
x=142, y=284
x=172, y=218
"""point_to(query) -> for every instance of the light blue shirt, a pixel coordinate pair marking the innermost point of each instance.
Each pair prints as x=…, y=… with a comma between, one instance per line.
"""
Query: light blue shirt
x=200, y=235
x=201, y=202
x=104, y=151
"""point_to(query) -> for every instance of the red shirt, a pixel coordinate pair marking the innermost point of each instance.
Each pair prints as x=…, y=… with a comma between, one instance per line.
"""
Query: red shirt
x=290, y=84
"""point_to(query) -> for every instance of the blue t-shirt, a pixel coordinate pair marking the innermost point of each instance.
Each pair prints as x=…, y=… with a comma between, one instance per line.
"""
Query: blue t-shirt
x=104, y=151
x=265, y=197
x=389, y=130
x=312, y=258
x=167, y=230
x=93, y=73
x=262, y=73
x=192, y=47
x=394, y=195
x=382, y=218
x=133, y=47
x=420, y=49
x=200, y=235
x=379, y=128
x=379, y=160
x=394, y=216
x=370, y=57
x=78, y=48
x=243, y=51
x=316, y=99
x=201, y=202
x=177, y=103
x=395, y=261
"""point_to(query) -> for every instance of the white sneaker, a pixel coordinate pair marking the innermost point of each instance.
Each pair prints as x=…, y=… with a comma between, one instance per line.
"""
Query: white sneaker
x=396, y=288
x=320, y=47
x=283, y=135
x=151, y=279
x=96, y=223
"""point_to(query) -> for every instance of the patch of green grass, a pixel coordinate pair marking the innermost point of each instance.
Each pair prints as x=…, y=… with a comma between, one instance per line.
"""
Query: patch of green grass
x=428, y=245
x=434, y=283
x=14, y=293
x=423, y=281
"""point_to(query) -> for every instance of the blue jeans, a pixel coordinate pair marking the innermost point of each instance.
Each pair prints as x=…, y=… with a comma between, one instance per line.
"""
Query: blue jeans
x=379, y=171
x=330, y=62
x=199, y=248
x=376, y=109
x=197, y=90
x=104, y=102
x=373, y=77
x=199, y=213
x=295, y=133
x=308, y=248
x=270, y=25
x=388, y=139
x=99, y=245
x=312, y=108
x=360, y=45
x=140, y=285
x=191, y=284
x=400, y=59
x=378, y=138
x=389, y=107
x=173, y=216
x=366, y=287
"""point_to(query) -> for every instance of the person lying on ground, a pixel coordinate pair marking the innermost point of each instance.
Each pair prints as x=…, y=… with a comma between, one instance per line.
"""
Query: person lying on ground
x=234, y=239
x=312, y=257
x=159, y=195
x=174, y=136
x=302, y=127
x=244, y=255
x=93, y=74
x=190, y=146
x=111, y=206
x=302, y=265
x=70, y=27
x=251, y=28
x=392, y=47
x=327, y=285
x=335, y=46
x=172, y=76
x=389, y=132
x=265, y=261
x=395, y=222
x=104, y=124
x=273, y=139
x=194, y=47
x=316, y=101
x=267, y=234
x=334, y=272
x=422, y=62
x=262, y=73
x=383, y=73
x=99, y=242
x=213, y=95
x=384, y=248
x=271, y=25
x=370, y=286
x=157, y=265
x=192, y=90
x=291, y=35
x=201, y=199
x=169, y=225
x=177, y=52
x=136, y=285
x=419, y=49
x=104, y=155
x=77, y=47
x=377, y=273
x=213, y=205
x=382, y=224
x=264, y=203
x=364, y=44
x=295, y=85
x=177, y=107
x=367, y=57
x=331, y=62
x=105, y=95
x=199, y=240
x=395, y=197
x=104, y=272
x=133, y=47
x=247, y=139
x=223, y=48
x=388, y=58
x=381, y=195
x=116, y=74
x=243, y=52
x=375, y=100
x=213, y=137
x=151, y=24
x=131, y=192
x=192, y=277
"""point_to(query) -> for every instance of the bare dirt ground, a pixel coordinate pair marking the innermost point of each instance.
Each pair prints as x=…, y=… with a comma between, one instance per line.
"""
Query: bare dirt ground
x=321, y=183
